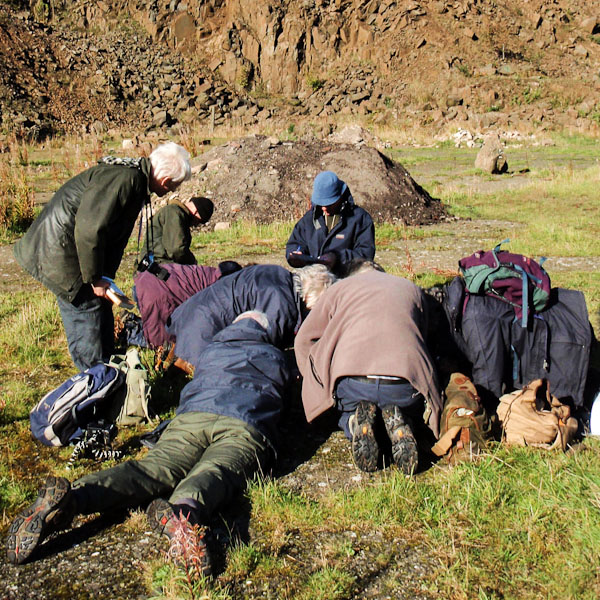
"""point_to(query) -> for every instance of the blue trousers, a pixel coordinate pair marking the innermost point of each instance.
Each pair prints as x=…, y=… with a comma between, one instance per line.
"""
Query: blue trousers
x=350, y=392
x=89, y=326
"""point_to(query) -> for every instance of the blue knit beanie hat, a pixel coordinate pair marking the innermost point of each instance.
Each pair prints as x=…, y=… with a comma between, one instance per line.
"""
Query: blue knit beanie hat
x=328, y=188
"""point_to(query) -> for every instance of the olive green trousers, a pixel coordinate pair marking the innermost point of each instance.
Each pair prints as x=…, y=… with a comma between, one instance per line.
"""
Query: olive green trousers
x=201, y=459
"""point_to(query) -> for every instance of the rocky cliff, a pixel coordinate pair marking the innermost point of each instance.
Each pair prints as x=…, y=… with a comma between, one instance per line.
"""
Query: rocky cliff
x=424, y=63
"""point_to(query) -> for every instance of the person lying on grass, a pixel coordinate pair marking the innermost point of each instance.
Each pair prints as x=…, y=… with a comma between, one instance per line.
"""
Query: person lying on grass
x=283, y=296
x=224, y=431
x=157, y=298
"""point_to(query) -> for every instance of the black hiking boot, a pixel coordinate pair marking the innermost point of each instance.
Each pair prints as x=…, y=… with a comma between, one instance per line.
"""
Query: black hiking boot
x=49, y=513
x=365, y=449
x=187, y=539
x=404, y=444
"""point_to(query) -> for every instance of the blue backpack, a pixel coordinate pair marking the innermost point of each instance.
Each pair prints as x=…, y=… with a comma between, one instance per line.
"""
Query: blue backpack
x=61, y=415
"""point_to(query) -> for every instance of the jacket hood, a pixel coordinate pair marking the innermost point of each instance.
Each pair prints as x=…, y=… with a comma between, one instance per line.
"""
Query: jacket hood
x=246, y=330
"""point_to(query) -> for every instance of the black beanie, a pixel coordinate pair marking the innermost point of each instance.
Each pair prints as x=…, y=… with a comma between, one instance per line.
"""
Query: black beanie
x=204, y=206
x=227, y=267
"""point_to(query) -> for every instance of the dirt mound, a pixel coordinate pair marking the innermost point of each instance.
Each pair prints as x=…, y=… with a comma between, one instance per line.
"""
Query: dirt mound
x=266, y=180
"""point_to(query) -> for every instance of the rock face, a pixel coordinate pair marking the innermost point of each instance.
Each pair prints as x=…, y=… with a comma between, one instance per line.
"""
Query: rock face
x=266, y=180
x=393, y=63
x=491, y=157
x=370, y=56
x=62, y=80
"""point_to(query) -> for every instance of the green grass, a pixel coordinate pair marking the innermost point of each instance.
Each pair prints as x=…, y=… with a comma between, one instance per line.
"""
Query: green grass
x=519, y=524
x=562, y=216
x=241, y=239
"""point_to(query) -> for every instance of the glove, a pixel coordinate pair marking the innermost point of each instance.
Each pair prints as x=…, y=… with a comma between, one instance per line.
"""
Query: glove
x=298, y=260
x=329, y=259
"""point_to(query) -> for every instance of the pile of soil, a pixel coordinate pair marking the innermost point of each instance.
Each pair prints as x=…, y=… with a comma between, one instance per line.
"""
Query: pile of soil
x=265, y=180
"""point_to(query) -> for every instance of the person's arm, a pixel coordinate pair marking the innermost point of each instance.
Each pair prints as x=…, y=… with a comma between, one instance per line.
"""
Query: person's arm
x=177, y=237
x=296, y=250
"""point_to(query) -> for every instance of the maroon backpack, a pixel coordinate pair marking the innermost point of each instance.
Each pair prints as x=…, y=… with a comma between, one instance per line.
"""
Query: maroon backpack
x=512, y=278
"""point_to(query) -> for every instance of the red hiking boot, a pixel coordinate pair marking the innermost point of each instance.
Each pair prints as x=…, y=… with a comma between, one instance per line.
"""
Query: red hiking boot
x=188, y=545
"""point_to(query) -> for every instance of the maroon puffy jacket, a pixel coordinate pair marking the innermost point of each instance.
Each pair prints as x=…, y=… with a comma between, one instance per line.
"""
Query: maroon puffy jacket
x=157, y=299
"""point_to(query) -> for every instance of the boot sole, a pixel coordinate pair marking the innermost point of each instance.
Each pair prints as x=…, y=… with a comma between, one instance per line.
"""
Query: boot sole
x=365, y=449
x=31, y=526
x=159, y=513
x=404, y=444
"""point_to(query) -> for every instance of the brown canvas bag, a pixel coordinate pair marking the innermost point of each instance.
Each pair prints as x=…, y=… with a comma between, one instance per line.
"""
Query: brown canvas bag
x=464, y=426
x=533, y=417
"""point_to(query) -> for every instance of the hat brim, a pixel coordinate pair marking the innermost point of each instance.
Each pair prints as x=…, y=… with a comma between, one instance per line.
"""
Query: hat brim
x=328, y=200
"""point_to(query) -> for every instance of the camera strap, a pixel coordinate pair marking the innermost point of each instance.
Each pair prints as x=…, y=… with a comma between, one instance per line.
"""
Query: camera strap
x=146, y=213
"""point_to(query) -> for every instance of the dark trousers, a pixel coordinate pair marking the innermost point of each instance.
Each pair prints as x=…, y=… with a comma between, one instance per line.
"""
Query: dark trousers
x=201, y=460
x=350, y=392
x=89, y=326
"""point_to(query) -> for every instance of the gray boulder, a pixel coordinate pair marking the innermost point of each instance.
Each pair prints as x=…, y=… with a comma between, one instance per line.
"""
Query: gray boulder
x=491, y=157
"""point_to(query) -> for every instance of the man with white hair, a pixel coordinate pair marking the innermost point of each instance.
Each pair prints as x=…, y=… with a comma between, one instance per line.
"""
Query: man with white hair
x=79, y=238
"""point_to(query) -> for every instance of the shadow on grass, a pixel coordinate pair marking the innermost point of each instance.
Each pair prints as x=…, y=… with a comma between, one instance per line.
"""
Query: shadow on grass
x=298, y=443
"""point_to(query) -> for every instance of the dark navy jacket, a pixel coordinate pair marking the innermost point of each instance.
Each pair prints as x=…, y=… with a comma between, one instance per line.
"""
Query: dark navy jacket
x=352, y=237
x=505, y=356
x=267, y=288
x=240, y=375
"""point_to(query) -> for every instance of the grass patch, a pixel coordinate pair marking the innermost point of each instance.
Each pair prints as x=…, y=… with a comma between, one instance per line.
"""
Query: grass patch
x=243, y=238
x=562, y=216
x=496, y=526
x=386, y=234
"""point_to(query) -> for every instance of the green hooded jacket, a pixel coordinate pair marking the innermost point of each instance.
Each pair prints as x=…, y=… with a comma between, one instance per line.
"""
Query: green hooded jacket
x=170, y=235
x=82, y=232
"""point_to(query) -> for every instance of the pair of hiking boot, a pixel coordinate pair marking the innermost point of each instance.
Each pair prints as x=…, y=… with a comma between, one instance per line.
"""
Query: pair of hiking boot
x=365, y=447
x=54, y=509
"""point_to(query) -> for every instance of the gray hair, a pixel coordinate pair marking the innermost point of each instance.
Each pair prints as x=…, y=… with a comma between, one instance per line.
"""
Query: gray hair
x=314, y=280
x=260, y=317
x=172, y=161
